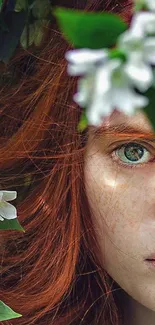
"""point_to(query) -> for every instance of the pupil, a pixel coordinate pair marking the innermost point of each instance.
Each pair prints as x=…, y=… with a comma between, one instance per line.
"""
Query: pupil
x=133, y=152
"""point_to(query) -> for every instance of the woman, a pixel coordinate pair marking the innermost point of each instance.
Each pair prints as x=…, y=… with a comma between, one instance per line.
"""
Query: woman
x=85, y=200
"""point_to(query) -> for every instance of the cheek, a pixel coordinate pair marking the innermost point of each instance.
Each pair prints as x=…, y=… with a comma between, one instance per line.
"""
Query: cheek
x=113, y=195
x=116, y=216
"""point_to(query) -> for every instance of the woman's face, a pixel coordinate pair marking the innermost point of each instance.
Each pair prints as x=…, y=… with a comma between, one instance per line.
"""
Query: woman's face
x=120, y=186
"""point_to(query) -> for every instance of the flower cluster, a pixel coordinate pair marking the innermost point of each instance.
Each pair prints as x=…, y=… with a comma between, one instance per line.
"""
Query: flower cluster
x=110, y=82
x=7, y=210
x=8, y=213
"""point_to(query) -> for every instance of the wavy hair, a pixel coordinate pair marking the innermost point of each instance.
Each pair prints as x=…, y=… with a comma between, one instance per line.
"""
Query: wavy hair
x=51, y=273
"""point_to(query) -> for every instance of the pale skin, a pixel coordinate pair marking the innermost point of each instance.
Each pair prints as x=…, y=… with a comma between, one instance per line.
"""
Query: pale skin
x=122, y=202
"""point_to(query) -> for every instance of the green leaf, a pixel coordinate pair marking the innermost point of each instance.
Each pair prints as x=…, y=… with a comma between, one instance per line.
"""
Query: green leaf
x=89, y=29
x=12, y=224
x=6, y=312
x=1, y=2
x=27, y=180
x=9, y=40
x=150, y=109
x=30, y=3
x=23, y=5
x=20, y=5
x=41, y=9
x=118, y=54
x=83, y=122
x=39, y=26
x=139, y=5
x=23, y=38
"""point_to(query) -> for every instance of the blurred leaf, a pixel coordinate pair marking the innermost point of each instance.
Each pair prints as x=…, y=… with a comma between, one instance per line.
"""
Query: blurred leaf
x=1, y=2
x=9, y=40
x=23, y=38
x=20, y=5
x=150, y=109
x=24, y=4
x=89, y=29
x=28, y=180
x=83, y=122
x=39, y=26
x=41, y=9
x=12, y=224
x=139, y=5
x=6, y=312
x=118, y=54
x=31, y=3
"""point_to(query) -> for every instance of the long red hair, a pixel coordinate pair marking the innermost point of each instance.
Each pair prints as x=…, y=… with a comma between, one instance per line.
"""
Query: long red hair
x=51, y=273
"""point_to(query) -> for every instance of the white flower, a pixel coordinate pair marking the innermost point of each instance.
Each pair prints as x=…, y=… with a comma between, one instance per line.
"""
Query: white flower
x=86, y=85
x=142, y=23
x=141, y=53
x=100, y=100
x=82, y=60
x=7, y=210
x=123, y=99
x=150, y=4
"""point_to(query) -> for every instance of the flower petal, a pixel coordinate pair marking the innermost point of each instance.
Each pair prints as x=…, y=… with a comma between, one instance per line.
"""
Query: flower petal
x=9, y=195
x=102, y=80
x=143, y=22
x=100, y=104
x=103, y=77
x=96, y=113
x=98, y=83
x=81, y=99
x=8, y=211
x=93, y=118
x=1, y=219
x=149, y=49
x=150, y=4
x=86, y=56
x=79, y=69
x=81, y=61
x=139, y=73
x=85, y=87
x=127, y=101
x=130, y=40
x=100, y=107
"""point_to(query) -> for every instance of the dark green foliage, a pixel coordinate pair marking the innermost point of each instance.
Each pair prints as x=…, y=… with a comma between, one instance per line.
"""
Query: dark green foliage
x=9, y=38
x=22, y=22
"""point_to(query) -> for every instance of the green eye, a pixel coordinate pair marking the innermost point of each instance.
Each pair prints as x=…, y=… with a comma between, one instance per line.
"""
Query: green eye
x=133, y=153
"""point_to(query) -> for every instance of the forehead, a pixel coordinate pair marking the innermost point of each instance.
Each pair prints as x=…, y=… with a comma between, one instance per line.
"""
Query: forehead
x=138, y=122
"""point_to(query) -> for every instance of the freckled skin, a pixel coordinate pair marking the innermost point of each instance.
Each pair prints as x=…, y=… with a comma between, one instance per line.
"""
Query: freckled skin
x=122, y=201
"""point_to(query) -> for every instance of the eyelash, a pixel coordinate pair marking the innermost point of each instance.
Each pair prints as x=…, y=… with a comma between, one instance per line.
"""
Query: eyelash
x=117, y=160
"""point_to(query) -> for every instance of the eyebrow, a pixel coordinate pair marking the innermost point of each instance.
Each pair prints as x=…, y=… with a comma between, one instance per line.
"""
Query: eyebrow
x=124, y=129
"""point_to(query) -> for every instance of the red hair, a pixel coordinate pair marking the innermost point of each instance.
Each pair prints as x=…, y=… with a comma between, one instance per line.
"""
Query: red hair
x=51, y=273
